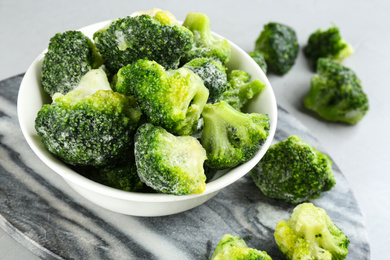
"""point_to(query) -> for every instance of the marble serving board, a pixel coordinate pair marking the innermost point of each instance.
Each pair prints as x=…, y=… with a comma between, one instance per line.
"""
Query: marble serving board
x=40, y=211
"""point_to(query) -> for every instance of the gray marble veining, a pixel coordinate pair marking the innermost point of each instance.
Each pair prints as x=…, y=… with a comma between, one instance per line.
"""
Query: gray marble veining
x=40, y=211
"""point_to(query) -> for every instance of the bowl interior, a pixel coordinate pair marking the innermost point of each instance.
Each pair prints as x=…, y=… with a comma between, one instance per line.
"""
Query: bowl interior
x=31, y=98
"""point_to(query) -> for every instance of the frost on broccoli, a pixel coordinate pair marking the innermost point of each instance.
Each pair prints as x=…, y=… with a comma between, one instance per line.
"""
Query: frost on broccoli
x=91, y=125
x=213, y=74
x=336, y=93
x=327, y=44
x=156, y=37
x=167, y=163
x=205, y=44
x=235, y=248
x=240, y=89
x=294, y=171
x=69, y=57
x=279, y=45
x=173, y=99
x=231, y=137
x=258, y=57
x=310, y=234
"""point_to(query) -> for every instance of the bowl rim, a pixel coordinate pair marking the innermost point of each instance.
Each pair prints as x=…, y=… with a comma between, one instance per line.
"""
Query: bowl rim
x=68, y=174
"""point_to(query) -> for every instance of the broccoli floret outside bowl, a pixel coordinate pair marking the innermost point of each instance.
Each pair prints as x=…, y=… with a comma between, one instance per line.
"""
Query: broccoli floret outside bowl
x=336, y=93
x=233, y=247
x=310, y=234
x=294, y=171
x=32, y=97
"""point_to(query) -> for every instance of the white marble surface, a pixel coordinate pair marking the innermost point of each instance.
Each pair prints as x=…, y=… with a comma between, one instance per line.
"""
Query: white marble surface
x=360, y=151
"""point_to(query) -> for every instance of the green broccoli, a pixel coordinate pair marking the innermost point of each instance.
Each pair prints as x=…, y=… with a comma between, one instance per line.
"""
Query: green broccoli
x=167, y=163
x=156, y=37
x=336, y=93
x=310, y=234
x=231, y=137
x=327, y=44
x=258, y=57
x=173, y=99
x=205, y=44
x=240, y=89
x=294, y=171
x=69, y=57
x=213, y=74
x=91, y=125
x=234, y=248
x=122, y=177
x=279, y=45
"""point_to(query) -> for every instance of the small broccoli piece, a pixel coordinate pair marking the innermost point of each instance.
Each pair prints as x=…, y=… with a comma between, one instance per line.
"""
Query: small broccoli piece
x=156, y=37
x=167, y=163
x=279, y=45
x=122, y=177
x=88, y=126
x=336, y=93
x=240, y=89
x=213, y=74
x=234, y=248
x=294, y=171
x=205, y=44
x=258, y=57
x=310, y=234
x=327, y=44
x=231, y=137
x=173, y=99
x=69, y=57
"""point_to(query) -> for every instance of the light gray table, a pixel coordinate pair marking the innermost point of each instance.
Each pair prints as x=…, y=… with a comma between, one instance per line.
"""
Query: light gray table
x=361, y=151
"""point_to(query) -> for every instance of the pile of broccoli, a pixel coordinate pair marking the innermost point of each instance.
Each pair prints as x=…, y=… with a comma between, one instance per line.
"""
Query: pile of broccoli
x=128, y=107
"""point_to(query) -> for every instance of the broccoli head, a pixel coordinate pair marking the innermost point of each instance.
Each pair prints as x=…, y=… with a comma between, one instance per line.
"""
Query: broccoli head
x=158, y=37
x=88, y=126
x=336, y=93
x=310, y=234
x=167, y=163
x=205, y=44
x=279, y=45
x=327, y=44
x=173, y=99
x=294, y=171
x=213, y=74
x=69, y=57
x=240, y=89
x=258, y=57
x=232, y=247
x=231, y=137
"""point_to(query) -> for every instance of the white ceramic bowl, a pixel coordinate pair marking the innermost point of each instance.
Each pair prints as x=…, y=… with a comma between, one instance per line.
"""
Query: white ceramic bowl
x=32, y=97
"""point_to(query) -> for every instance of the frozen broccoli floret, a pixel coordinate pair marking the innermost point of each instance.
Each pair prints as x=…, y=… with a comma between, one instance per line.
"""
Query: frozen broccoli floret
x=205, y=44
x=122, y=177
x=279, y=45
x=69, y=57
x=240, y=89
x=167, y=163
x=258, y=57
x=294, y=171
x=213, y=74
x=336, y=93
x=173, y=99
x=310, y=234
x=231, y=137
x=234, y=248
x=91, y=125
x=155, y=37
x=327, y=44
